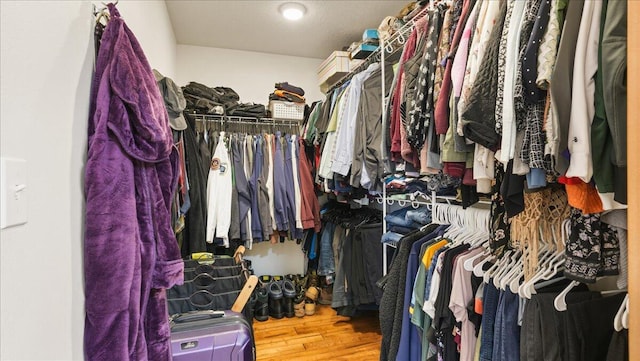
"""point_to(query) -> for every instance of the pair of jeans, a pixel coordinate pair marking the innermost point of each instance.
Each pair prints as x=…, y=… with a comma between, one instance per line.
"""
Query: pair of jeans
x=326, y=263
x=489, y=314
x=399, y=218
x=506, y=339
x=391, y=238
x=421, y=215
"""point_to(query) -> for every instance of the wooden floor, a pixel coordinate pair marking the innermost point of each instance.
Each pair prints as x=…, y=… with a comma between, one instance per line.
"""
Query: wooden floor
x=324, y=336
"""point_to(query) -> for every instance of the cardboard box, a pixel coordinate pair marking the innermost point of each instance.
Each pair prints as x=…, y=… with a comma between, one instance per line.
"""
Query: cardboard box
x=333, y=68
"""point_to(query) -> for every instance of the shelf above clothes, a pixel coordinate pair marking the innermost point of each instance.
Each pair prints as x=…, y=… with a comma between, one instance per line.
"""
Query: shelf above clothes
x=248, y=124
x=391, y=46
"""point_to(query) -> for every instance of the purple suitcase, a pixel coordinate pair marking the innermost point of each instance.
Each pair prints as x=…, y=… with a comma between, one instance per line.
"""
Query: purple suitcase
x=211, y=336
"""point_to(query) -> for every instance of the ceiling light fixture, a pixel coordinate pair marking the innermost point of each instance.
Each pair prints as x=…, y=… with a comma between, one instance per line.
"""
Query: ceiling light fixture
x=292, y=11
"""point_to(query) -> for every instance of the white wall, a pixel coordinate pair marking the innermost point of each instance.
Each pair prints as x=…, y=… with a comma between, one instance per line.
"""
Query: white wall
x=45, y=69
x=253, y=75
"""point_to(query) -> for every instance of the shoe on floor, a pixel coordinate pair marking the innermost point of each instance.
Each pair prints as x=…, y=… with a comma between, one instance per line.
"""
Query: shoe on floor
x=326, y=295
x=309, y=308
x=275, y=300
x=289, y=293
x=261, y=308
x=298, y=304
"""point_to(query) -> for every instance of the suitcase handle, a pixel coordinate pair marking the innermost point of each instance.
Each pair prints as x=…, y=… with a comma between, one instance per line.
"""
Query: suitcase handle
x=196, y=316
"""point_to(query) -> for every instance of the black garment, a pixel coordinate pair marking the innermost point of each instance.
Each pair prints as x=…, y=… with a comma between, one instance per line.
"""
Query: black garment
x=591, y=327
x=619, y=346
x=368, y=237
x=592, y=249
x=500, y=229
x=263, y=193
x=197, y=173
x=392, y=301
x=443, y=319
x=234, y=226
x=195, y=92
x=478, y=117
x=543, y=335
x=242, y=185
x=512, y=191
x=532, y=93
x=290, y=88
x=248, y=110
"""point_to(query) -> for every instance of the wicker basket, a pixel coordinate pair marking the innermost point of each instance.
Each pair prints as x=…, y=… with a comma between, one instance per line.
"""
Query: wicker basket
x=286, y=110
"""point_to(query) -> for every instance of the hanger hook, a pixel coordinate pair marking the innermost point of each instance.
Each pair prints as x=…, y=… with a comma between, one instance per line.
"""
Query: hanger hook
x=401, y=39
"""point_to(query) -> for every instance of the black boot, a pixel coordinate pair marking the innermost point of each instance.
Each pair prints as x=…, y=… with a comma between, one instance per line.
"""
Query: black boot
x=289, y=292
x=261, y=309
x=275, y=300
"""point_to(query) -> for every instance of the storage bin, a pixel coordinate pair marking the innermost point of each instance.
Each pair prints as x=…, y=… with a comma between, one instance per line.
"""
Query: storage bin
x=286, y=110
x=370, y=36
x=333, y=68
x=363, y=51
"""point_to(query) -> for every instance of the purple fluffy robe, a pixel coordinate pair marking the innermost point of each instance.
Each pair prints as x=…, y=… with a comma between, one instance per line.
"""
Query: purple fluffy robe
x=130, y=252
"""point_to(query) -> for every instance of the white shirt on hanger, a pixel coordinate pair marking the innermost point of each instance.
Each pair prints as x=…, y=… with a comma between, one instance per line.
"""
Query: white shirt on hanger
x=219, y=194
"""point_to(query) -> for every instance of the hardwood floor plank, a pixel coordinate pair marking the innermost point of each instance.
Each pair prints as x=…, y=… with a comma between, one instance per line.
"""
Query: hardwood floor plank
x=324, y=336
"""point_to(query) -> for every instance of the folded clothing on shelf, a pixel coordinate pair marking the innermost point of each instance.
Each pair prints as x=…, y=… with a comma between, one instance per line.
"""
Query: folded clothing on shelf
x=248, y=110
x=280, y=94
x=290, y=88
x=202, y=98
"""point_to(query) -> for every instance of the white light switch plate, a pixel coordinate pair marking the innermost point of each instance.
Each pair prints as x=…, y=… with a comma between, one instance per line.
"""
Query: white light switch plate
x=13, y=191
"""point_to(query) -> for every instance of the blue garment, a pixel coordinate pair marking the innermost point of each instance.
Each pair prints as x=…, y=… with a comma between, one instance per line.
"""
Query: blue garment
x=421, y=215
x=258, y=159
x=536, y=178
x=391, y=238
x=489, y=309
x=399, y=218
x=410, y=347
x=400, y=229
x=497, y=329
x=314, y=246
x=432, y=269
x=279, y=186
x=510, y=346
x=186, y=204
x=326, y=263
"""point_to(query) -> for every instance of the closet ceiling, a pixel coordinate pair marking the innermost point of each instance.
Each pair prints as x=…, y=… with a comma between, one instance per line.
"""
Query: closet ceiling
x=257, y=25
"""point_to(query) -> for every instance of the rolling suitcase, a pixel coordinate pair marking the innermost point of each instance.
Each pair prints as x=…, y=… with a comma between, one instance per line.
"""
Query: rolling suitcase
x=211, y=336
x=215, y=335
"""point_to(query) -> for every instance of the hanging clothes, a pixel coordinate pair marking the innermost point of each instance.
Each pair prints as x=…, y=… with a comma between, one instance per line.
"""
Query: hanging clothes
x=130, y=251
x=219, y=185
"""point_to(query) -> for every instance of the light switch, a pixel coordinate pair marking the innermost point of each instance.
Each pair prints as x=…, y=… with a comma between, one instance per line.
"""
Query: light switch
x=13, y=188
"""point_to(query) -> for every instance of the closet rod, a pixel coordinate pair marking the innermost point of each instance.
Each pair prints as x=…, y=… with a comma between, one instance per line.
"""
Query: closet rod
x=393, y=45
x=245, y=120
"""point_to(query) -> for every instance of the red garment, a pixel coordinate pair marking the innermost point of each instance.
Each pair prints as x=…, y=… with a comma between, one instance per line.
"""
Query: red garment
x=396, y=121
x=309, y=206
